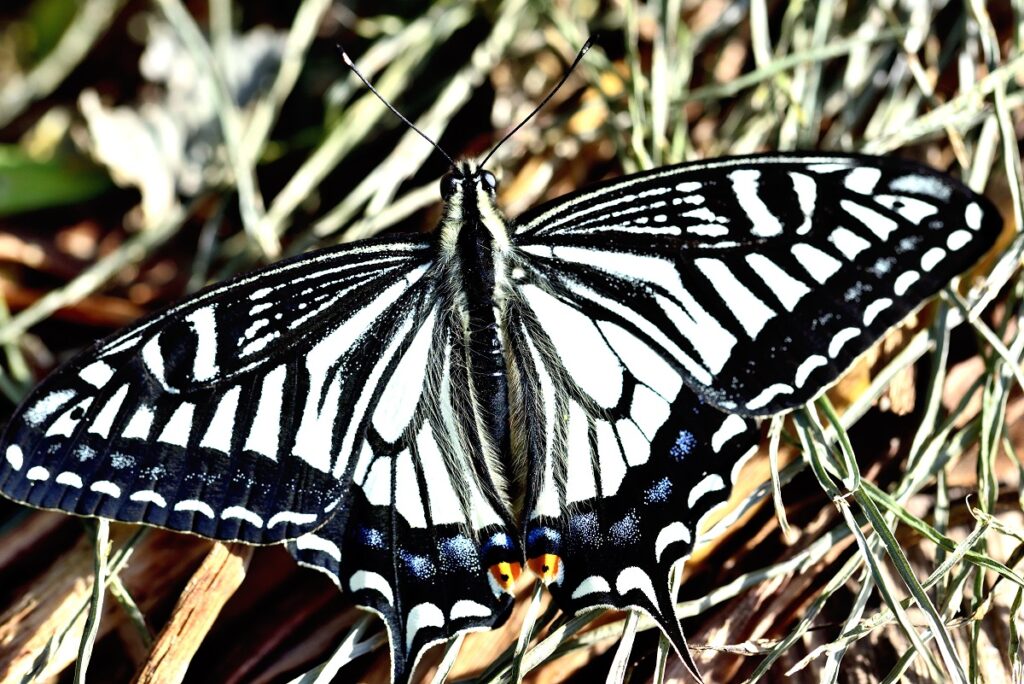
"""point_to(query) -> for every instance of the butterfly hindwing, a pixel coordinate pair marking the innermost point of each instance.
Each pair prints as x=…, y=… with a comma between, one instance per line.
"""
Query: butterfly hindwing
x=188, y=419
x=625, y=459
x=420, y=537
x=762, y=278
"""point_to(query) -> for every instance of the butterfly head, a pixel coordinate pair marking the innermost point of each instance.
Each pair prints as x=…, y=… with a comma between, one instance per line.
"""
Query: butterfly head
x=465, y=180
x=469, y=193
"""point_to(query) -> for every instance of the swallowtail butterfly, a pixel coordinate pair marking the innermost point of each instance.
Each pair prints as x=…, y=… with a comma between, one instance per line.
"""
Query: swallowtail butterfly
x=417, y=416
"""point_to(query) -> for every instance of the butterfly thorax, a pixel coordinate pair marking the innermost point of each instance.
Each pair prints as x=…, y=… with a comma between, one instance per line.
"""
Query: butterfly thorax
x=474, y=247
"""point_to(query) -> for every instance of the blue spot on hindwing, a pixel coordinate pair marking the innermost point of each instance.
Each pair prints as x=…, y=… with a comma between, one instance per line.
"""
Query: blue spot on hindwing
x=458, y=552
x=584, y=529
x=498, y=540
x=543, y=539
x=371, y=537
x=685, y=443
x=418, y=566
x=659, y=491
x=625, y=531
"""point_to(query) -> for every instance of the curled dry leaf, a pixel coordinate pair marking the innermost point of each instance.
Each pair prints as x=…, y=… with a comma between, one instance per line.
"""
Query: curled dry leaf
x=170, y=146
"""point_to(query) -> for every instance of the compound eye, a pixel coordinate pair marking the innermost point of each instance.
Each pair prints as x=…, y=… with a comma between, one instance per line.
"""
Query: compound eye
x=449, y=185
x=489, y=182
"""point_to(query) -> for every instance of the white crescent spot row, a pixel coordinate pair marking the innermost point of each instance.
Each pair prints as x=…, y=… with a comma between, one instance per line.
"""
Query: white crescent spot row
x=16, y=459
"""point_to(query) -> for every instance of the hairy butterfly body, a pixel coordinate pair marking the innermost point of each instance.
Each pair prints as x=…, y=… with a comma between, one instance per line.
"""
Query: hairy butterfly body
x=419, y=416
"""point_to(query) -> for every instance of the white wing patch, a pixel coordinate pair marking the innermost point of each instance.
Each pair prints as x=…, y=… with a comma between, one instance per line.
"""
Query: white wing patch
x=47, y=406
x=862, y=179
x=97, y=374
x=751, y=312
x=818, y=265
x=636, y=446
x=787, y=289
x=264, y=435
x=670, y=534
x=68, y=420
x=179, y=427
x=881, y=226
x=148, y=496
x=364, y=579
x=318, y=416
x=634, y=578
x=848, y=243
x=377, y=485
x=649, y=411
x=204, y=324
x=195, y=506
x=904, y=281
x=807, y=366
x=420, y=617
x=547, y=503
x=745, y=187
x=397, y=404
x=105, y=418
x=710, y=483
x=314, y=542
x=840, y=339
x=612, y=465
x=15, y=456
x=732, y=425
x=592, y=365
x=408, y=499
x=580, y=482
x=642, y=361
x=441, y=495
x=221, y=429
x=69, y=479
x=139, y=425
x=241, y=513
x=285, y=517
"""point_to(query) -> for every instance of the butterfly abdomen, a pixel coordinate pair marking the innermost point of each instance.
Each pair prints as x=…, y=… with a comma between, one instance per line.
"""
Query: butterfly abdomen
x=477, y=259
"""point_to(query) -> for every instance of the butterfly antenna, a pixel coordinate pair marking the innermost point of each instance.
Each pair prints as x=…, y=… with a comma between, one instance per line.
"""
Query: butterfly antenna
x=568, y=72
x=351, y=65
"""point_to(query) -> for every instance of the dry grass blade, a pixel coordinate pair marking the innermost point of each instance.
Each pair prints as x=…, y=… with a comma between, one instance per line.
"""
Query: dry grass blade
x=451, y=652
x=620, y=663
x=241, y=159
x=99, y=582
x=351, y=647
x=94, y=17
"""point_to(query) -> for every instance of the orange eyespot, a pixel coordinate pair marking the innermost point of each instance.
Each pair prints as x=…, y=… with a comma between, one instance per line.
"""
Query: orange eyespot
x=545, y=567
x=506, y=574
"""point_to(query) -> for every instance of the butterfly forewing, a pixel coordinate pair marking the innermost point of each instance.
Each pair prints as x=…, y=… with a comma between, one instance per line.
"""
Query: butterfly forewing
x=229, y=415
x=761, y=278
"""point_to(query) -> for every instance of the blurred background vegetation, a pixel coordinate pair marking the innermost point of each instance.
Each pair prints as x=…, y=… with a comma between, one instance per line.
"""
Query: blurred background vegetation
x=149, y=148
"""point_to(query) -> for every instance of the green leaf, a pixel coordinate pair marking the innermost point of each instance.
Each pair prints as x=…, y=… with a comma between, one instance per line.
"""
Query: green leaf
x=27, y=183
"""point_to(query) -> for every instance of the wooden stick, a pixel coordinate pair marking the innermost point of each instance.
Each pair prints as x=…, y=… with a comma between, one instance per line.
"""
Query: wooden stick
x=216, y=581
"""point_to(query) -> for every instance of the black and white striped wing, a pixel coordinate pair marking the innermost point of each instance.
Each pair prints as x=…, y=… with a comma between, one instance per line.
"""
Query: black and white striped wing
x=316, y=401
x=644, y=307
x=625, y=459
x=761, y=278
x=421, y=538
x=232, y=415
